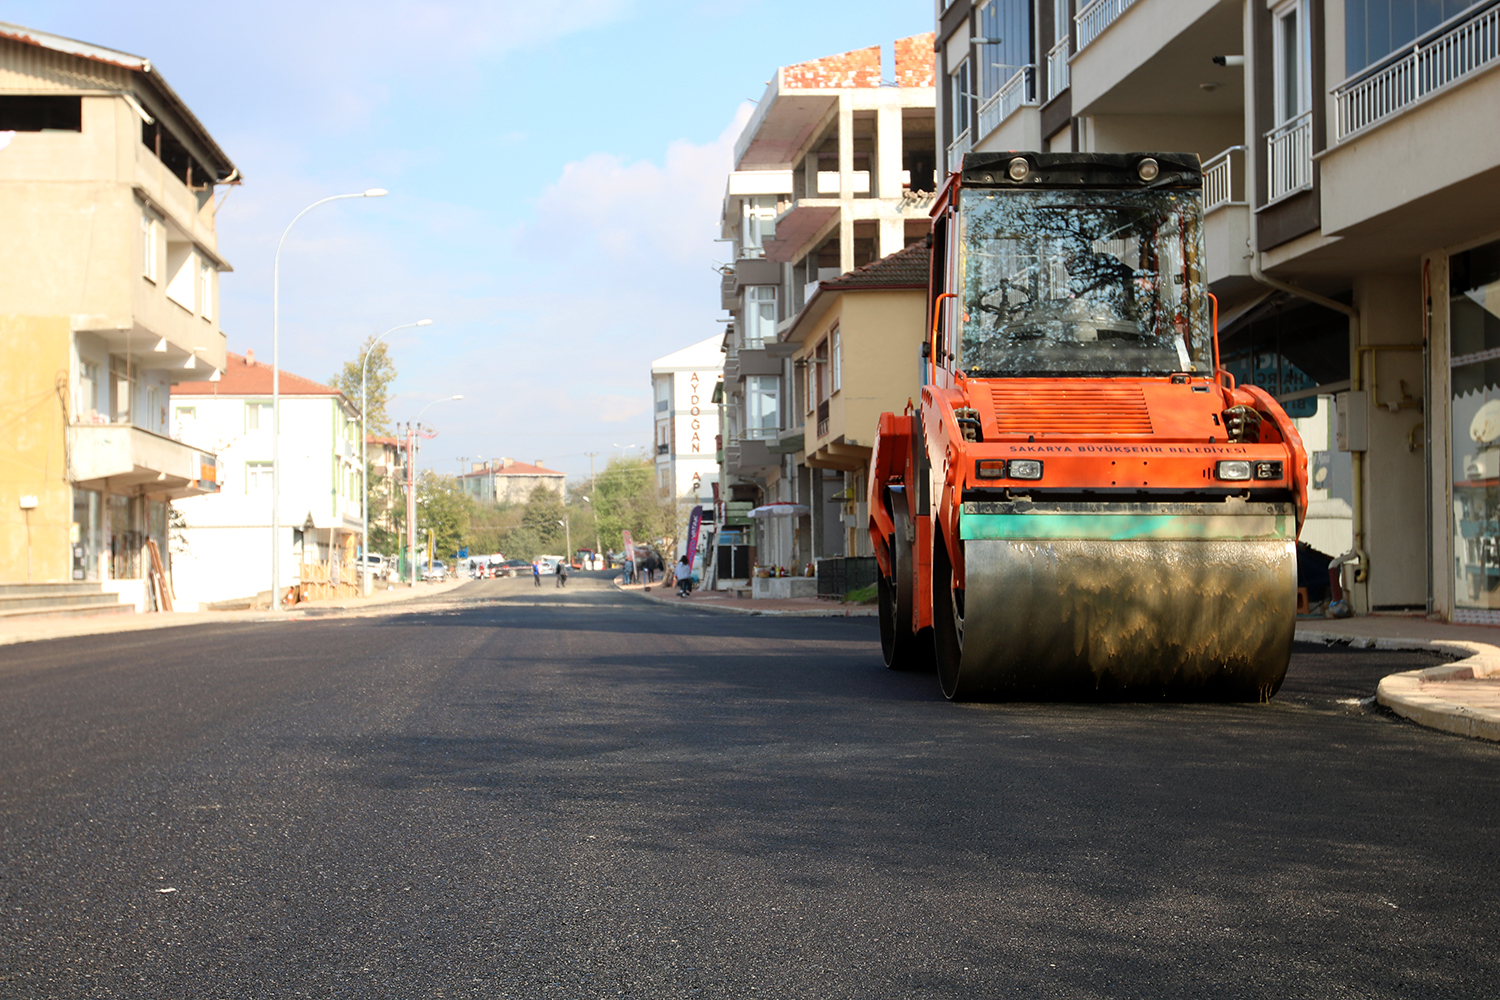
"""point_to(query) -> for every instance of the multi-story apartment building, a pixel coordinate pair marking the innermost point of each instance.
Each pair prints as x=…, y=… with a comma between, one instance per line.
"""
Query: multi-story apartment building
x=224, y=541
x=686, y=432
x=835, y=169
x=108, y=297
x=1352, y=231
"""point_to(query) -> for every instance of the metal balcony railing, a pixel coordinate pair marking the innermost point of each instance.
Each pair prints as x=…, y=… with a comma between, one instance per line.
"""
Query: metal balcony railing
x=1058, y=79
x=1222, y=185
x=1443, y=60
x=1094, y=18
x=1016, y=93
x=958, y=148
x=1289, y=158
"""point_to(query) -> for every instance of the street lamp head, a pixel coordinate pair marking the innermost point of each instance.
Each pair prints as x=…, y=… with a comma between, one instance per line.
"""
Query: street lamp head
x=424, y=322
x=459, y=396
x=376, y=193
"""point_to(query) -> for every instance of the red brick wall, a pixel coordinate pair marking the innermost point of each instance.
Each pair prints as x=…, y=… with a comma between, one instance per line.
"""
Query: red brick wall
x=860, y=68
x=914, y=61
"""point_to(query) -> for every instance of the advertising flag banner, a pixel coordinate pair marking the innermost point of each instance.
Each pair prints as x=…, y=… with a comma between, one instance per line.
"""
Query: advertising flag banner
x=629, y=549
x=695, y=522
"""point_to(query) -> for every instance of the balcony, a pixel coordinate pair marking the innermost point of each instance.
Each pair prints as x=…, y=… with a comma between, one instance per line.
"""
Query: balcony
x=1289, y=158
x=957, y=148
x=1226, y=223
x=1095, y=17
x=1017, y=92
x=120, y=458
x=1057, y=69
x=1430, y=66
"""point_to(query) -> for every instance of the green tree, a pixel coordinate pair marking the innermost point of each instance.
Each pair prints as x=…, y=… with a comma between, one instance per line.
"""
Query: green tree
x=387, y=512
x=626, y=497
x=445, y=509
x=380, y=371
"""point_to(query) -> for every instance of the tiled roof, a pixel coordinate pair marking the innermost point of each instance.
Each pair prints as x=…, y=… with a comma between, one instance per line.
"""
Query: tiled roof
x=247, y=377
x=903, y=269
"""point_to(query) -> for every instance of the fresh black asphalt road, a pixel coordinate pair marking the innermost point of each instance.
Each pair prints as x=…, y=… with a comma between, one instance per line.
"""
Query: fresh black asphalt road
x=512, y=792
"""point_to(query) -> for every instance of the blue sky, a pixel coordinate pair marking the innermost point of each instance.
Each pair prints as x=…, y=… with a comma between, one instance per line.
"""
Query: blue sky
x=556, y=174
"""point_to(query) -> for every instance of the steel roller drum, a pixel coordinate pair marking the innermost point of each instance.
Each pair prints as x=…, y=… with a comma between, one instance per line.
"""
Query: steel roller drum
x=1162, y=601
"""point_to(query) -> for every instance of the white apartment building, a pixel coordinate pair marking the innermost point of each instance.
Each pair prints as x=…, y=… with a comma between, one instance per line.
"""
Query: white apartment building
x=109, y=273
x=1352, y=232
x=837, y=168
x=225, y=548
x=686, y=431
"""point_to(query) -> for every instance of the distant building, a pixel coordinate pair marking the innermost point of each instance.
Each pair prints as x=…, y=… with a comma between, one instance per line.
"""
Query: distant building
x=504, y=480
x=109, y=271
x=687, y=430
x=226, y=543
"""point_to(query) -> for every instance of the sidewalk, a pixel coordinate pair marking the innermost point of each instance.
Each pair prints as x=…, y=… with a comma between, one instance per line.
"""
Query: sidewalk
x=39, y=629
x=1461, y=697
x=719, y=600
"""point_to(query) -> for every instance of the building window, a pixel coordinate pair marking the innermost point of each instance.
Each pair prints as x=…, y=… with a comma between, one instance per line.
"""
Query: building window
x=760, y=316
x=1373, y=29
x=24, y=113
x=763, y=412
x=835, y=361
x=1474, y=343
x=206, y=290
x=182, y=266
x=759, y=224
x=257, y=416
x=1010, y=22
x=149, y=245
x=86, y=408
x=257, y=477
x=959, y=93
x=1293, y=59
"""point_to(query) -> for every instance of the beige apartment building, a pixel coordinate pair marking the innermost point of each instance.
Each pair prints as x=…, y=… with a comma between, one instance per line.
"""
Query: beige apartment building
x=108, y=296
x=1352, y=232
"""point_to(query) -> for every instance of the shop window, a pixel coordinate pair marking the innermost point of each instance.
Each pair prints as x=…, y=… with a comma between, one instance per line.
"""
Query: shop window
x=1474, y=408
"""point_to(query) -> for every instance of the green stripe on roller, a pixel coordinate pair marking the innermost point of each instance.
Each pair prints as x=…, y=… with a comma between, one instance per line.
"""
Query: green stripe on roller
x=1121, y=527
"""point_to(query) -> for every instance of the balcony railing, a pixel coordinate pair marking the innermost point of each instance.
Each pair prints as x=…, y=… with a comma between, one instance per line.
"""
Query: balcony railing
x=1289, y=158
x=1459, y=52
x=958, y=148
x=1222, y=185
x=1015, y=93
x=1057, y=69
x=1094, y=18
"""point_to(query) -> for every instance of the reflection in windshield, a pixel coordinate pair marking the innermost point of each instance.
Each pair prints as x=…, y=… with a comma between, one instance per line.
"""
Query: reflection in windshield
x=1083, y=283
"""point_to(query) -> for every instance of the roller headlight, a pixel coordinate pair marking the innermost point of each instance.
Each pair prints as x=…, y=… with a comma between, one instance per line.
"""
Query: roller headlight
x=1025, y=468
x=1233, y=469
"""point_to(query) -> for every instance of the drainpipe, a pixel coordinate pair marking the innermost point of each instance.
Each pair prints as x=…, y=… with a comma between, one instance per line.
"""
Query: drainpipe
x=1357, y=553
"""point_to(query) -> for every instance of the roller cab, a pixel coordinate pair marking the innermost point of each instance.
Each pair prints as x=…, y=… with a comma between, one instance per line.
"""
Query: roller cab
x=1082, y=504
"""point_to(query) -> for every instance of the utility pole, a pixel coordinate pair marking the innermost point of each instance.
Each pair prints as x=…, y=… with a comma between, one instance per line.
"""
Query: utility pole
x=411, y=501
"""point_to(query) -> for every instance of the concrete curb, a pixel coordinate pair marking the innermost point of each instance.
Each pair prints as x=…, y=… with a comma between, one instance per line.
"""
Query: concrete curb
x=834, y=611
x=1410, y=695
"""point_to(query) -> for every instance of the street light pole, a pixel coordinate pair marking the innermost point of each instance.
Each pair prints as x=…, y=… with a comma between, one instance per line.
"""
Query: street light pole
x=598, y=552
x=364, y=450
x=276, y=391
x=568, y=542
x=411, y=483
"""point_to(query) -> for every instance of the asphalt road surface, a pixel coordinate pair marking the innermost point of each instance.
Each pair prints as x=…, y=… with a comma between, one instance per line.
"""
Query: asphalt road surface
x=514, y=792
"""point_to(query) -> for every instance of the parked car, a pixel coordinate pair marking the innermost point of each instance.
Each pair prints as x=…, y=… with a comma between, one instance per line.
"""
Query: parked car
x=436, y=573
x=549, y=564
x=514, y=568
x=379, y=568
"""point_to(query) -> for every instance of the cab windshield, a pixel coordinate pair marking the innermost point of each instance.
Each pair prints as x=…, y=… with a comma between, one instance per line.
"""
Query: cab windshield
x=1071, y=282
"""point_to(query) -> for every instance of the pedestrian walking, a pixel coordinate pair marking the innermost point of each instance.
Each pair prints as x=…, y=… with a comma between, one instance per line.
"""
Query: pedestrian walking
x=561, y=573
x=684, y=577
x=536, y=572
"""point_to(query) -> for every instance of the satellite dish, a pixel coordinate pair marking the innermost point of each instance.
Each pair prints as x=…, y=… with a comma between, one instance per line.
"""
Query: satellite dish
x=1485, y=427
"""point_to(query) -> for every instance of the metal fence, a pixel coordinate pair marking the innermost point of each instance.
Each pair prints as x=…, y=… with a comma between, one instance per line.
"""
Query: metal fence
x=1057, y=69
x=1221, y=184
x=1289, y=158
x=837, y=577
x=1095, y=17
x=1015, y=93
